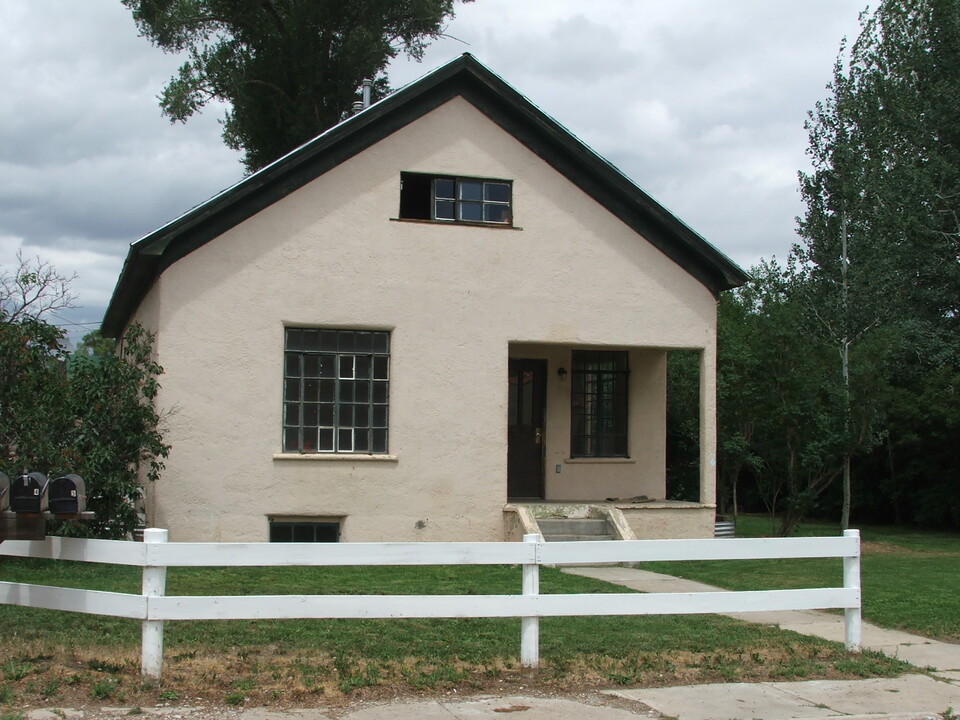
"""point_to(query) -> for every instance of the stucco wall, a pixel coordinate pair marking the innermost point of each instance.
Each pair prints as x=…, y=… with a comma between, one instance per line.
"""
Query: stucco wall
x=455, y=299
x=652, y=521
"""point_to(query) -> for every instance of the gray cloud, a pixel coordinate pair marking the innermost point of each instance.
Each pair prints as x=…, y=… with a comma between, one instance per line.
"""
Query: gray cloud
x=701, y=103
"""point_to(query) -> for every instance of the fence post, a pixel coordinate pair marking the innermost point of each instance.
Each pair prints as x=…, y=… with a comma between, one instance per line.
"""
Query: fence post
x=530, y=626
x=154, y=585
x=852, y=624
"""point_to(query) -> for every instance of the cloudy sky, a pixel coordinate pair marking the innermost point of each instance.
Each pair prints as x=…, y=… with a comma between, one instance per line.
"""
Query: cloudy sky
x=700, y=102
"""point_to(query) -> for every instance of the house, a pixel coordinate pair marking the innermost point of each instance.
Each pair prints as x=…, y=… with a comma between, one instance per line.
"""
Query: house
x=439, y=320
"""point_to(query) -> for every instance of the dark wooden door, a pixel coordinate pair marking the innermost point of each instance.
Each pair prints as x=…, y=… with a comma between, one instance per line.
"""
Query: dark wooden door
x=528, y=380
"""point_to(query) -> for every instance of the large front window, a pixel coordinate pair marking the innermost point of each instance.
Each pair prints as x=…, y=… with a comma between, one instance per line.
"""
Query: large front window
x=336, y=391
x=598, y=412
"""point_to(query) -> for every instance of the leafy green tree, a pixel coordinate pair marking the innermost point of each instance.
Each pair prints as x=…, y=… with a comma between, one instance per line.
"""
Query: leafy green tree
x=683, y=425
x=737, y=397
x=881, y=234
x=95, y=345
x=33, y=383
x=289, y=69
x=91, y=413
x=779, y=417
x=32, y=364
x=114, y=439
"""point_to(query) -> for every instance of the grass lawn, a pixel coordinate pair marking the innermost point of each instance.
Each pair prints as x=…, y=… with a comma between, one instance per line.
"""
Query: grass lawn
x=49, y=657
x=910, y=578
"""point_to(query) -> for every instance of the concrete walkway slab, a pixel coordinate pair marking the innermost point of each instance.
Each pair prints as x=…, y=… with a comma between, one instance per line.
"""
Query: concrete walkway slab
x=521, y=708
x=910, y=696
x=720, y=702
x=920, y=651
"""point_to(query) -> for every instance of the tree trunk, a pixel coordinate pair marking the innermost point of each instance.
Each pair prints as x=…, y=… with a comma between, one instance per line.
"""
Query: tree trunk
x=845, y=363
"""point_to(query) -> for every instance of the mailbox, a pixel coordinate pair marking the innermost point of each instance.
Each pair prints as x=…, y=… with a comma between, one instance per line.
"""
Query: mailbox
x=28, y=493
x=4, y=491
x=67, y=495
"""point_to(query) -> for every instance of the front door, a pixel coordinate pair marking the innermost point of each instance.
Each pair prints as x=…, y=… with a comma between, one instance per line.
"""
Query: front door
x=528, y=381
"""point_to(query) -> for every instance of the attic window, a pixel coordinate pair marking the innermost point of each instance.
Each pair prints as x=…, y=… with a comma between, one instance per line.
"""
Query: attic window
x=447, y=198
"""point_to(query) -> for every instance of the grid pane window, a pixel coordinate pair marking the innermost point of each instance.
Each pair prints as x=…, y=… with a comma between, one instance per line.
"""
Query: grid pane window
x=424, y=196
x=598, y=412
x=468, y=200
x=336, y=391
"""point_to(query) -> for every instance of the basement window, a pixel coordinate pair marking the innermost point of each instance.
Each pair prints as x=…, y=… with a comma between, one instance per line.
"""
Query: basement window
x=448, y=198
x=307, y=532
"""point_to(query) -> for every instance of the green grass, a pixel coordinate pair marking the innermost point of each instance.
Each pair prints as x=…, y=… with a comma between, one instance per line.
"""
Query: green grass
x=58, y=655
x=477, y=640
x=910, y=578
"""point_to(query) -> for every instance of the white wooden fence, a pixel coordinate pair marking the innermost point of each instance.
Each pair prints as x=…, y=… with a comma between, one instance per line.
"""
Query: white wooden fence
x=155, y=555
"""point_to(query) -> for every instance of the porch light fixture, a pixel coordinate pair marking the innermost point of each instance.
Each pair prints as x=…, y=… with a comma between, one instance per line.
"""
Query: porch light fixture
x=562, y=372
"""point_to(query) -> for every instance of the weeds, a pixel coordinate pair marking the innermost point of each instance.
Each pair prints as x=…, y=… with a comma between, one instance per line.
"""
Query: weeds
x=104, y=688
x=13, y=670
x=351, y=676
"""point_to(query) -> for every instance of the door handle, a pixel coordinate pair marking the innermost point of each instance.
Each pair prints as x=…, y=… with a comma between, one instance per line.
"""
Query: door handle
x=539, y=436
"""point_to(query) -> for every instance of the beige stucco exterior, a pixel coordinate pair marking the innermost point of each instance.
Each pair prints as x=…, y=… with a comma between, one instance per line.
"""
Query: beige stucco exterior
x=458, y=301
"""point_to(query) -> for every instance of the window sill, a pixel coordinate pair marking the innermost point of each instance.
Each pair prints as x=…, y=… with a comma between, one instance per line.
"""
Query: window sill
x=334, y=457
x=457, y=223
x=600, y=460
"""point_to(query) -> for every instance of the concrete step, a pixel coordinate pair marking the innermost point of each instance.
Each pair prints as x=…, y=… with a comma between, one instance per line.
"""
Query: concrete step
x=560, y=529
x=574, y=538
x=574, y=526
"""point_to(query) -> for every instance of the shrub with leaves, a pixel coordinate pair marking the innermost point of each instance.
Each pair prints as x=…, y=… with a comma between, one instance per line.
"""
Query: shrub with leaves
x=114, y=437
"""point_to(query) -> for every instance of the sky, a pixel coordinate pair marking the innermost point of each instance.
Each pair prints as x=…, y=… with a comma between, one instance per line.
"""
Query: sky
x=701, y=103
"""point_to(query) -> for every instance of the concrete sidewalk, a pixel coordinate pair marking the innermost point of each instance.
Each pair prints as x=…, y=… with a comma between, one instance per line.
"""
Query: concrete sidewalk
x=905, y=697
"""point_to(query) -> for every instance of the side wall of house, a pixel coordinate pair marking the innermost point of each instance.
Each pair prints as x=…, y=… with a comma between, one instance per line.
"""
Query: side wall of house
x=455, y=299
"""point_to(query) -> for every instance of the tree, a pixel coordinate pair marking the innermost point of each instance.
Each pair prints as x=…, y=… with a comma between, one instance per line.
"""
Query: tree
x=33, y=290
x=881, y=233
x=683, y=426
x=32, y=371
x=95, y=345
x=114, y=438
x=91, y=414
x=288, y=68
x=779, y=415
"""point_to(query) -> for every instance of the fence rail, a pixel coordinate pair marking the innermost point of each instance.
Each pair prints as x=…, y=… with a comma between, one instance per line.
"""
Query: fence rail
x=152, y=607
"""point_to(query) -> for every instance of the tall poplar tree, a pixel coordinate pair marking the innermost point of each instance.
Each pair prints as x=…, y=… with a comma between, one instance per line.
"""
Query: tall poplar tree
x=288, y=69
x=881, y=234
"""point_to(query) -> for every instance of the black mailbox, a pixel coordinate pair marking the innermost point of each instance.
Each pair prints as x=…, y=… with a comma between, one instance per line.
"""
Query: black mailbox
x=67, y=495
x=28, y=493
x=4, y=491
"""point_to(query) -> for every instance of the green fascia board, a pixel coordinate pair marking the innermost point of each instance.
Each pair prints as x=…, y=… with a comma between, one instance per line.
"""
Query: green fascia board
x=466, y=77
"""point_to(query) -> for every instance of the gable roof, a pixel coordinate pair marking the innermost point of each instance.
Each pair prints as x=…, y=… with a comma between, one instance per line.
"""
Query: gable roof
x=466, y=77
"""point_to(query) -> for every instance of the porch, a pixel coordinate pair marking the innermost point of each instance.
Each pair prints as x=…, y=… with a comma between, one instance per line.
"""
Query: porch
x=587, y=439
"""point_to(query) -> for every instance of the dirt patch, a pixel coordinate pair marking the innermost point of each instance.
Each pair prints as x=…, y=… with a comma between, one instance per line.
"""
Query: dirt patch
x=275, y=678
x=875, y=547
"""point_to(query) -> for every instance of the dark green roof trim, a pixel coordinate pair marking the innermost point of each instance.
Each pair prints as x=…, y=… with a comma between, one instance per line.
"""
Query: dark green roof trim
x=466, y=77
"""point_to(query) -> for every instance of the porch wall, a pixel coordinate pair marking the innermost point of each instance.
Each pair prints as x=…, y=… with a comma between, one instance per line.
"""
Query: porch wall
x=656, y=521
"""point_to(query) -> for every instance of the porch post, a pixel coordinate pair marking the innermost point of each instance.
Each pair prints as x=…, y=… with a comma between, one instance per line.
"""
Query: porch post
x=708, y=423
